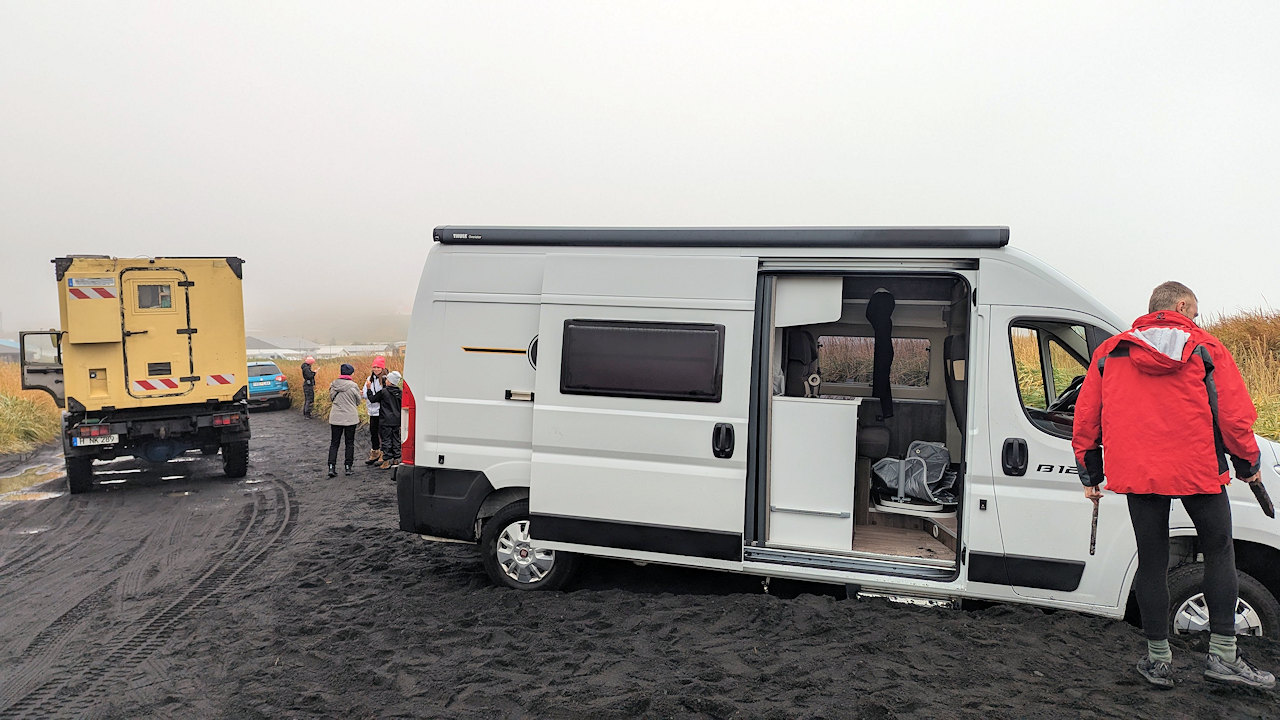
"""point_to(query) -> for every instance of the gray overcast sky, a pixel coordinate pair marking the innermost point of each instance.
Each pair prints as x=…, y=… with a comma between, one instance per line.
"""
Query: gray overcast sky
x=1127, y=143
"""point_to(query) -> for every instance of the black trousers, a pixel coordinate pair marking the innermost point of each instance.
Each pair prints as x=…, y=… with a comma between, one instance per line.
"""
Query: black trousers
x=375, y=438
x=308, y=399
x=390, y=443
x=1211, y=515
x=336, y=434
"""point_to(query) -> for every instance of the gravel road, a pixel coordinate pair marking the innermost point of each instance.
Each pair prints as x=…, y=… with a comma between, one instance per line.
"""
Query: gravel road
x=175, y=592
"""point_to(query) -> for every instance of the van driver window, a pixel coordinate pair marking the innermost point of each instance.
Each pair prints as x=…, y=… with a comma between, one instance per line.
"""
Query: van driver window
x=848, y=359
x=153, y=297
x=1049, y=362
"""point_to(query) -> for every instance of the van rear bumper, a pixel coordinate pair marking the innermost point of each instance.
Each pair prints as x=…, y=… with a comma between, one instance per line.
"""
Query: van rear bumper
x=440, y=501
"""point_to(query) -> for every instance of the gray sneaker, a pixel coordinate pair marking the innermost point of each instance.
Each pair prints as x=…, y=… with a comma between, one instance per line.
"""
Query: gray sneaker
x=1239, y=672
x=1157, y=672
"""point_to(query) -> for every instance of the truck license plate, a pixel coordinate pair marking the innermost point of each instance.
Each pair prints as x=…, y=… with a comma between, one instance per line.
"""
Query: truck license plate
x=101, y=440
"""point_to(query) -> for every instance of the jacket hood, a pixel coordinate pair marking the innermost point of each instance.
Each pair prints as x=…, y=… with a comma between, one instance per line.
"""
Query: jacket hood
x=1160, y=342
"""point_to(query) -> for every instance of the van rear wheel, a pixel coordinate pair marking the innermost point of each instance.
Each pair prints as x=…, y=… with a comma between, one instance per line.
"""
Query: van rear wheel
x=79, y=475
x=235, y=459
x=512, y=561
x=1257, y=611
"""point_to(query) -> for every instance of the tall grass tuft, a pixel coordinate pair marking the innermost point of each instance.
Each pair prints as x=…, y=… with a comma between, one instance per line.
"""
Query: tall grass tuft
x=28, y=418
x=326, y=373
x=1253, y=337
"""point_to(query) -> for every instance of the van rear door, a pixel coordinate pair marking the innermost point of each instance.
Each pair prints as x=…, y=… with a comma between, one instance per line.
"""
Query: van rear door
x=640, y=408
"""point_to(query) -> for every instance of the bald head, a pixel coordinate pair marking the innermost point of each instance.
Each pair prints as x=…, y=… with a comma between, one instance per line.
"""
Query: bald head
x=1174, y=296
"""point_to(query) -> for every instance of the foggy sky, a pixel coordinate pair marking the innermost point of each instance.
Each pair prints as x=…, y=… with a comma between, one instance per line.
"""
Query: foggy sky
x=1124, y=143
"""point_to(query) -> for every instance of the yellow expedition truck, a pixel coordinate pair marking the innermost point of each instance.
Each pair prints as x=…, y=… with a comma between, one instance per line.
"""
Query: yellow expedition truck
x=150, y=361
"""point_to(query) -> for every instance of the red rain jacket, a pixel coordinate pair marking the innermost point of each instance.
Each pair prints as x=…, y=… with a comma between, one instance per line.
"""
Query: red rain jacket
x=1147, y=404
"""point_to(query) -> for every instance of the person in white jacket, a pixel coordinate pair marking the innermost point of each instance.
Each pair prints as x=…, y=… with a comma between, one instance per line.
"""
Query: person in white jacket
x=377, y=378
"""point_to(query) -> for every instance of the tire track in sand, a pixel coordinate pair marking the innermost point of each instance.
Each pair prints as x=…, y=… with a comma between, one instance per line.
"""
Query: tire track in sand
x=267, y=522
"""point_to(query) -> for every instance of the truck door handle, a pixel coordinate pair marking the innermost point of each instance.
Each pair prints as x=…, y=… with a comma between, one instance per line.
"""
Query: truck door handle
x=722, y=440
x=128, y=333
x=1014, y=457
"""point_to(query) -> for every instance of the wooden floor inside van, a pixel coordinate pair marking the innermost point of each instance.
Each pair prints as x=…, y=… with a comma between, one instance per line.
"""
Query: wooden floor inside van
x=902, y=542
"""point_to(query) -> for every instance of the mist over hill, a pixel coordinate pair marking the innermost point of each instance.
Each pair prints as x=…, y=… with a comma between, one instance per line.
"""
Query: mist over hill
x=332, y=327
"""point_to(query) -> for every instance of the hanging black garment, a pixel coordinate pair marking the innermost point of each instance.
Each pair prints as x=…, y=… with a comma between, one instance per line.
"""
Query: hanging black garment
x=880, y=315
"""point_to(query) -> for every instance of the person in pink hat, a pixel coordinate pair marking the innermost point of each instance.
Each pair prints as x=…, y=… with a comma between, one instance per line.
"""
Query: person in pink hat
x=376, y=381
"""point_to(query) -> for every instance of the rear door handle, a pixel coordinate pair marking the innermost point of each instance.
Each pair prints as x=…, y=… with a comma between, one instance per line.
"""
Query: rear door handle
x=1014, y=457
x=722, y=440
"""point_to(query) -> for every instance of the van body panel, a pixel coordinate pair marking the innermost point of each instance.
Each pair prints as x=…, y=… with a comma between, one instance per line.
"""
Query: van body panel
x=642, y=460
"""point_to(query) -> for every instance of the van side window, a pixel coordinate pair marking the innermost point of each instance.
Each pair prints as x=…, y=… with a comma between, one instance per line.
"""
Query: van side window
x=1049, y=362
x=154, y=297
x=666, y=361
x=848, y=359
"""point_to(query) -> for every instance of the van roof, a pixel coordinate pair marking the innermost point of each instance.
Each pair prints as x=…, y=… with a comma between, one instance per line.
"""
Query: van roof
x=830, y=237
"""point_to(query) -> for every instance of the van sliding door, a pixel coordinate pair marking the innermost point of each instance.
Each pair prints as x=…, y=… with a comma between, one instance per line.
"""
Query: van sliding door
x=640, y=412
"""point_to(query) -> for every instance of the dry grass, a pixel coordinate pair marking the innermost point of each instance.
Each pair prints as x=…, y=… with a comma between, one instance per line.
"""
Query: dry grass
x=850, y=360
x=1254, y=339
x=326, y=373
x=28, y=418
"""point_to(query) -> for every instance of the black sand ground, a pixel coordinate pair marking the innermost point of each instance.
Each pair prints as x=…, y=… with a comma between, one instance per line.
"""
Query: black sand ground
x=292, y=595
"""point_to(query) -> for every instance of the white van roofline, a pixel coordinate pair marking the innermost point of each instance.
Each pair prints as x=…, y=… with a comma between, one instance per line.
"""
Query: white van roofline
x=778, y=237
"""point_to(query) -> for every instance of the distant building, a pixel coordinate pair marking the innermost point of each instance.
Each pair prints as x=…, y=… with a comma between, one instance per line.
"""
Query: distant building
x=9, y=351
x=280, y=348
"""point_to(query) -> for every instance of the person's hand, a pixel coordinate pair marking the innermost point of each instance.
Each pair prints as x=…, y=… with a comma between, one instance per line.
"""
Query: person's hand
x=1093, y=492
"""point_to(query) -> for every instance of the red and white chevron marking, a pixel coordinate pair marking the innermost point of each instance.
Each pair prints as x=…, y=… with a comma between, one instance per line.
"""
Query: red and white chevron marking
x=92, y=293
x=220, y=379
x=154, y=385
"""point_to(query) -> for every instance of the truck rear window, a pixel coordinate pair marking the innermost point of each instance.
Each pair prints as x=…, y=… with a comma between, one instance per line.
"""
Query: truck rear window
x=154, y=297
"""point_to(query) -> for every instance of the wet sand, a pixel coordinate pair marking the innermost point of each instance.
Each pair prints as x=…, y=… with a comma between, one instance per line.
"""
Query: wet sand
x=289, y=594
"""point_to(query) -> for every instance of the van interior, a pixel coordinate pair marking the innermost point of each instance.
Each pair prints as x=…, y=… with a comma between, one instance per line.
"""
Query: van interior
x=866, y=417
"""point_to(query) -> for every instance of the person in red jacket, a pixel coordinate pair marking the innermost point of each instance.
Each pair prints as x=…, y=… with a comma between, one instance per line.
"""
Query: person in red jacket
x=1166, y=402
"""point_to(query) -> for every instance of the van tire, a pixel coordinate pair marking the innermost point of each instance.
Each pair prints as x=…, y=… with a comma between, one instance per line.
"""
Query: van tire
x=1185, y=584
x=79, y=475
x=235, y=459
x=505, y=538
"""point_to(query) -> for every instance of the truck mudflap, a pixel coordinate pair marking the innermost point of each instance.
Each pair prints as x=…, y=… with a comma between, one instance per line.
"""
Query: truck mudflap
x=440, y=501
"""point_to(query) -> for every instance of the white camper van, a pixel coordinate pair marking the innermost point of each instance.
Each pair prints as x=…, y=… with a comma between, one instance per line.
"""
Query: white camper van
x=884, y=408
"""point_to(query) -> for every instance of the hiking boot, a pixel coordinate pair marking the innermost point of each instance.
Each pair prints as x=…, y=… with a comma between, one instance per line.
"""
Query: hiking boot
x=333, y=470
x=375, y=456
x=1239, y=672
x=1157, y=672
x=384, y=465
x=347, y=470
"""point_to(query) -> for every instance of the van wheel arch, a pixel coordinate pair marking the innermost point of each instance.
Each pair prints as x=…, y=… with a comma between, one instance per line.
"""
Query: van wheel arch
x=495, y=502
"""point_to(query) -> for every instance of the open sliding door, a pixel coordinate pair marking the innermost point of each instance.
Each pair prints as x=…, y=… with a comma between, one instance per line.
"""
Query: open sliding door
x=640, y=413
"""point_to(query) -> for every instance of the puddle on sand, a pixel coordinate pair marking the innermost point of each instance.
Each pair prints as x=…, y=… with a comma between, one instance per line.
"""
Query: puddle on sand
x=251, y=482
x=181, y=493
x=29, y=477
x=24, y=496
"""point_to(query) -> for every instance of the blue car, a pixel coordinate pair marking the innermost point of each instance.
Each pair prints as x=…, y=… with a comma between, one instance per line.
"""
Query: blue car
x=268, y=386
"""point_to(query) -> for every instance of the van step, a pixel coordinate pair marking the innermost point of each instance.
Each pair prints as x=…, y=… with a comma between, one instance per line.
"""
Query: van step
x=918, y=600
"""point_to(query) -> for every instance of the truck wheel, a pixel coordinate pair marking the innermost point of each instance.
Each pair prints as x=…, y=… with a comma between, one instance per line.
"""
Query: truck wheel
x=511, y=561
x=235, y=459
x=1257, y=612
x=79, y=475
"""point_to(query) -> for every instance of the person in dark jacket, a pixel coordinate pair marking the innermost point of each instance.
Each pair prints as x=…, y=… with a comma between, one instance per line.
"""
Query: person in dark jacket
x=388, y=399
x=308, y=385
x=1166, y=403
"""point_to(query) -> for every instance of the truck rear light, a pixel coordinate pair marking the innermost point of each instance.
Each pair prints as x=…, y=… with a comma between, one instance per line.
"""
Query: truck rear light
x=85, y=431
x=408, y=413
x=226, y=420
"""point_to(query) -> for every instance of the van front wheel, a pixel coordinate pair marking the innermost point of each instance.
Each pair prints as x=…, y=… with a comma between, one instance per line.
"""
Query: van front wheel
x=1257, y=612
x=511, y=560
